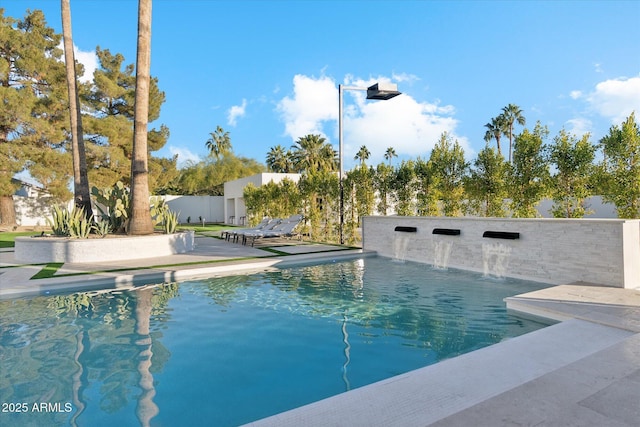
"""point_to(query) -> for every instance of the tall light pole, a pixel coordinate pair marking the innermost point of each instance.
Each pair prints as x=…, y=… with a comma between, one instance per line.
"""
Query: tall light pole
x=379, y=91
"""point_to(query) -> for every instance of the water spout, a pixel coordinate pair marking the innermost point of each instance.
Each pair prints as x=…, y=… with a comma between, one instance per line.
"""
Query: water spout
x=495, y=259
x=400, y=245
x=441, y=253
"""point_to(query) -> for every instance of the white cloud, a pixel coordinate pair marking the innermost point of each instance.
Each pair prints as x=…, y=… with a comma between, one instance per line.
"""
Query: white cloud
x=184, y=156
x=575, y=94
x=235, y=112
x=314, y=101
x=579, y=126
x=615, y=99
x=90, y=62
x=87, y=58
x=409, y=126
x=404, y=77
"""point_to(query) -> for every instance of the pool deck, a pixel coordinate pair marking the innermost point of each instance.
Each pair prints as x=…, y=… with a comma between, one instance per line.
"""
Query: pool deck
x=582, y=371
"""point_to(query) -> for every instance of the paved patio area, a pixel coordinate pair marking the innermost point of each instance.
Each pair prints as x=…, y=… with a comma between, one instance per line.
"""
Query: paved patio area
x=583, y=371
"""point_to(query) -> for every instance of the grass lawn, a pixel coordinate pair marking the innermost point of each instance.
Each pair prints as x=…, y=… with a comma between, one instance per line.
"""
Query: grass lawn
x=7, y=239
x=207, y=227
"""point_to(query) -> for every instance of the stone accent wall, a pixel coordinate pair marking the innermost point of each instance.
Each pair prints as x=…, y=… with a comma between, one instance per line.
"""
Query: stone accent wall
x=555, y=251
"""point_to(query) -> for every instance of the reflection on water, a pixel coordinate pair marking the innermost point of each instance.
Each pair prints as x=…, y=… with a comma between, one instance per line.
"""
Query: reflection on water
x=195, y=353
x=63, y=355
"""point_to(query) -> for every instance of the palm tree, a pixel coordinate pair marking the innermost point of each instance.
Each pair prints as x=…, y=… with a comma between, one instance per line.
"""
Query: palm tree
x=311, y=153
x=279, y=160
x=363, y=154
x=140, y=216
x=495, y=129
x=512, y=114
x=82, y=198
x=220, y=143
x=390, y=154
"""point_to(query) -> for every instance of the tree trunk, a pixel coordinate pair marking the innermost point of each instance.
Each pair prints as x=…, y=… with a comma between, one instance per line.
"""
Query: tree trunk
x=82, y=197
x=140, y=216
x=7, y=211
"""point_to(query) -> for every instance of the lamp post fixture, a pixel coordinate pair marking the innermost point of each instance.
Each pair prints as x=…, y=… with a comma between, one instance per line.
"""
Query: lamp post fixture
x=379, y=91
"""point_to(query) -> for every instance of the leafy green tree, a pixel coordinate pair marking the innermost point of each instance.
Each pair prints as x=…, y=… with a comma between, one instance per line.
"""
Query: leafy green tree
x=495, y=129
x=272, y=200
x=486, y=185
x=219, y=143
x=428, y=195
x=512, y=114
x=34, y=109
x=449, y=168
x=208, y=176
x=621, y=168
x=529, y=172
x=383, y=185
x=404, y=184
x=571, y=184
x=319, y=191
x=359, y=183
x=82, y=198
x=280, y=160
x=312, y=153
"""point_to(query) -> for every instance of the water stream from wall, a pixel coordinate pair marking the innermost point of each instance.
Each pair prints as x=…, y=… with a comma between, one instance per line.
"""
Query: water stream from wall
x=441, y=252
x=495, y=259
x=400, y=245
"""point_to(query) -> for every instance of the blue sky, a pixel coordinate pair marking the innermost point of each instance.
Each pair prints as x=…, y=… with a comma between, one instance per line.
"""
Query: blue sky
x=268, y=71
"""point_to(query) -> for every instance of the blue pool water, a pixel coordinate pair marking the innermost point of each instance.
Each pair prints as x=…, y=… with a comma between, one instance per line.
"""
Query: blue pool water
x=230, y=350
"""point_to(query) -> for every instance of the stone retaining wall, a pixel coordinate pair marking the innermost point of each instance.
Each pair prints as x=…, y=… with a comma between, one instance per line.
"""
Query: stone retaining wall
x=555, y=251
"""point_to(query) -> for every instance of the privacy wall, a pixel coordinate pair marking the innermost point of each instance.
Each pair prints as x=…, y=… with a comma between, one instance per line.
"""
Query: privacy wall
x=555, y=251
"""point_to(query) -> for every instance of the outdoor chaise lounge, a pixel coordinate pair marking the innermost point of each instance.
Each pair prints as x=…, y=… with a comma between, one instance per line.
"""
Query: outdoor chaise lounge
x=266, y=221
x=236, y=234
x=284, y=229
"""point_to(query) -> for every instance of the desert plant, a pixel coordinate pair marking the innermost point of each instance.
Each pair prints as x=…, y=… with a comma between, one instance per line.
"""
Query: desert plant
x=170, y=222
x=114, y=205
x=102, y=228
x=79, y=225
x=59, y=221
x=158, y=209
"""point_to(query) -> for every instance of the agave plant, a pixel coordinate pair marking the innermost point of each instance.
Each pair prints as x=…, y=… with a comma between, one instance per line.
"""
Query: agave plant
x=170, y=222
x=102, y=227
x=79, y=225
x=59, y=222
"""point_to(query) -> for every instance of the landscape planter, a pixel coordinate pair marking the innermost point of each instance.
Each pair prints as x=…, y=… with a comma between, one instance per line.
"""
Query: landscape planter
x=110, y=248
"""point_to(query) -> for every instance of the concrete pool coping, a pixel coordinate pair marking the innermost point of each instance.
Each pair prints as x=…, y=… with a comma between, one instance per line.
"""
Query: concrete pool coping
x=583, y=371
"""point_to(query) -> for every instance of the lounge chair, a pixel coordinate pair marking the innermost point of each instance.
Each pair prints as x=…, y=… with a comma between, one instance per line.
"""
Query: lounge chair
x=284, y=229
x=266, y=227
x=227, y=234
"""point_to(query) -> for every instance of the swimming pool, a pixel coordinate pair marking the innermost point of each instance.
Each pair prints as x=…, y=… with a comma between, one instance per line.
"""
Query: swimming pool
x=230, y=350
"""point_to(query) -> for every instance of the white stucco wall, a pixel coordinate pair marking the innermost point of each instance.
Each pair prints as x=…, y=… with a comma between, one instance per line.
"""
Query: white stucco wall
x=211, y=208
x=555, y=251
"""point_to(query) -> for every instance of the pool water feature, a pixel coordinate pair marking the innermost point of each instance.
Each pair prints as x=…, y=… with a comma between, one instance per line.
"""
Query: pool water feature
x=229, y=350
